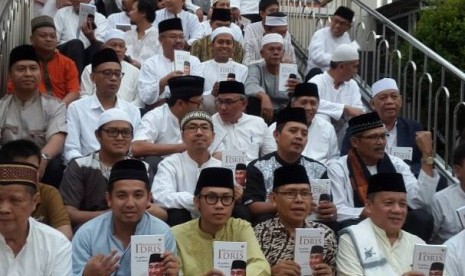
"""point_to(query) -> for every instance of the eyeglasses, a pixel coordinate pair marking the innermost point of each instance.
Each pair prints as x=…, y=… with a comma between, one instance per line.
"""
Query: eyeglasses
x=114, y=132
x=293, y=194
x=193, y=128
x=108, y=74
x=212, y=199
x=198, y=103
x=226, y=102
x=375, y=137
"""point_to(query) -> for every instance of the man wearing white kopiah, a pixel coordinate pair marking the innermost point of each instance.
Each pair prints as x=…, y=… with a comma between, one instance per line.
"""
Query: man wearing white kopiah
x=378, y=245
x=340, y=97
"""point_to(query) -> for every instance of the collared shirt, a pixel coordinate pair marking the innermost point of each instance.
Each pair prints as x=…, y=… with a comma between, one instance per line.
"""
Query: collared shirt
x=154, y=69
x=144, y=48
x=190, y=23
x=46, y=252
x=82, y=118
x=174, y=187
x=249, y=134
x=322, y=46
x=277, y=244
x=67, y=26
x=37, y=119
x=127, y=89
x=203, y=50
x=195, y=247
x=235, y=30
x=118, y=18
x=50, y=209
x=454, y=264
x=391, y=139
x=213, y=72
x=97, y=237
x=160, y=126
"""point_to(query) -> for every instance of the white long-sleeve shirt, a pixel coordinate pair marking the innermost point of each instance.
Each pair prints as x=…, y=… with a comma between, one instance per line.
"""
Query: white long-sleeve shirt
x=145, y=48
x=212, y=71
x=118, y=18
x=454, y=264
x=190, y=24
x=160, y=126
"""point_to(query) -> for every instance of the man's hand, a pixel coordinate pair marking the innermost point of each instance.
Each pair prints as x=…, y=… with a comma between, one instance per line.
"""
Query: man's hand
x=327, y=211
x=199, y=13
x=352, y=111
x=286, y=268
x=322, y=270
x=101, y=265
x=214, y=272
x=266, y=107
x=164, y=81
x=88, y=31
x=238, y=192
x=170, y=264
x=215, y=89
x=424, y=142
x=291, y=84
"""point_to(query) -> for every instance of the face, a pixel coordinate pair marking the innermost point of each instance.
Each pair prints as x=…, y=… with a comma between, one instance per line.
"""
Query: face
x=238, y=272
x=349, y=69
x=107, y=85
x=117, y=45
x=370, y=145
x=240, y=176
x=222, y=4
x=161, y=4
x=268, y=10
x=315, y=259
x=230, y=107
x=272, y=53
x=127, y=6
x=25, y=75
x=135, y=16
x=387, y=104
x=339, y=26
x=173, y=6
x=44, y=39
x=388, y=211
x=194, y=103
x=235, y=13
x=155, y=269
x=292, y=211
x=214, y=215
x=435, y=273
x=197, y=135
x=282, y=30
x=218, y=23
x=223, y=47
x=115, y=146
x=459, y=171
x=292, y=139
x=128, y=201
x=172, y=40
x=309, y=104
x=75, y=3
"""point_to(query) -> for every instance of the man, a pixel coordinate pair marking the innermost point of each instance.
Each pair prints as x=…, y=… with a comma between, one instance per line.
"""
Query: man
x=292, y=198
x=240, y=174
x=173, y=189
x=28, y=114
x=378, y=245
x=322, y=141
x=262, y=80
x=190, y=23
x=203, y=48
x=349, y=174
x=327, y=39
x=159, y=133
x=157, y=70
x=102, y=245
x=454, y=264
x=340, y=97
x=316, y=256
x=83, y=114
x=50, y=209
x=59, y=73
x=238, y=268
x=214, y=199
x=155, y=265
x=121, y=18
x=236, y=130
x=436, y=269
x=291, y=138
x=28, y=247
x=114, y=40
x=276, y=22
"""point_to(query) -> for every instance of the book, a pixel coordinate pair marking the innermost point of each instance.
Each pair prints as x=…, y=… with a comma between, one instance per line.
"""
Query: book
x=321, y=190
x=404, y=153
x=230, y=158
x=428, y=257
x=309, y=248
x=123, y=27
x=285, y=70
x=146, y=252
x=461, y=214
x=228, y=256
x=86, y=13
x=182, y=61
x=225, y=69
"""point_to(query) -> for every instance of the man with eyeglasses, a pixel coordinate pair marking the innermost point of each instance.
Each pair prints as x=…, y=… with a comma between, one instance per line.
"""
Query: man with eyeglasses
x=83, y=114
x=85, y=179
x=292, y=198
x=349, y=174
x=214, y=199
x=174, y=184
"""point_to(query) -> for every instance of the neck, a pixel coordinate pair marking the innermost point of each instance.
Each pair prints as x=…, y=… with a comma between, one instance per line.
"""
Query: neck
x=45, y=55
x=393, y=237
x=175, y=10
x=16, y=239
x=221, y=60
x=108, y=159
x=289, y=158
x=25, y=96
x=389, y=123
x=199, y=156
x=169, y=54
x=208, y=228
x=124, y=231
x=369, y=161
x=273, y=69
x=142, y=27
x=337, y=80
x=291, y=226
x=107, y=102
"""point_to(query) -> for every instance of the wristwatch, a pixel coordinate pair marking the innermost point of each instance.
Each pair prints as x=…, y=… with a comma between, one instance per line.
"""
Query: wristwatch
x=45, y=156
x=428, y=160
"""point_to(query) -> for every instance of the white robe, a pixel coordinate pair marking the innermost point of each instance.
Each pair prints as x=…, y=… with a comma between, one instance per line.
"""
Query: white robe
x=211, y=71
x=454, y=265
x=190, y=24
x=145, y=48
x=160, y=126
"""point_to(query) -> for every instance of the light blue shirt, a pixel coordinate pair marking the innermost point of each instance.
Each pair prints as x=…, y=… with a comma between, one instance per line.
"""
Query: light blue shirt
x=97, y=237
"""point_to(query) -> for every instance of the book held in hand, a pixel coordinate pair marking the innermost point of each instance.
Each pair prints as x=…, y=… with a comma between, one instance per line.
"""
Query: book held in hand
x=230, y=257
x=87, y=14
x=146, y=253
x=429, y=258
x=309, y=248
x=321, y=191
x=230, y=158
x=286, y=70
x=182, y=61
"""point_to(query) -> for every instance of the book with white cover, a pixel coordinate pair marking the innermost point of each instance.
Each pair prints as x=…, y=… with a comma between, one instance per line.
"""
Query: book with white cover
x=230, y=158
x=142, y=247
x=426, y=256
x=84, y=11
x=182, y=61
x=319, y=187
x=123, y=27
x=285, y=69
x=309, y=248
x=225, y=69
x=461, y=214
x=225, y=253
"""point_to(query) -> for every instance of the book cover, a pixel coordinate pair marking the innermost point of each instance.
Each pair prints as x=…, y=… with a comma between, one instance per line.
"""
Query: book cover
x=123, y=27
x=285, y=70
x=321, y=190
x=86, y=13
x=429, y=258
x=146, y=253
x=182, y=61
x=230, y=257
x=461, y=214
x=224, y=69
x=230, y=158
x=309, y=249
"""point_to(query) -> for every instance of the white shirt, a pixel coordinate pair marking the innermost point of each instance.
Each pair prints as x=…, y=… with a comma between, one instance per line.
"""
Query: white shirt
x=127, y=90
x=82, y=118
x=321, y=143
x=322, y=46
x=118, y=18
x=446, y=221
x=249, y=134
x=145, y=48
x=249, y=6
x=419, y=192
x=46, y=252
x=175, y=181
x=67, y=26
x=160, y=126
x=190, y=24
x=153, y=70
x=454, y=265
x=235, y=30
x=254, y=45
x=211, y=71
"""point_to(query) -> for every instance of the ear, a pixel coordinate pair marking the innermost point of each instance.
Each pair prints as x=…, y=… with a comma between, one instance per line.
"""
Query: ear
x=354, y=141
x=372, y=104
x=273, y=199
x=36, y=199
x=98, y=136
x=261, y=52
x=276, y=135
x=149, y=199
x=457, y=171
x=197, y=202
x=108, y=199
x=92, y=77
